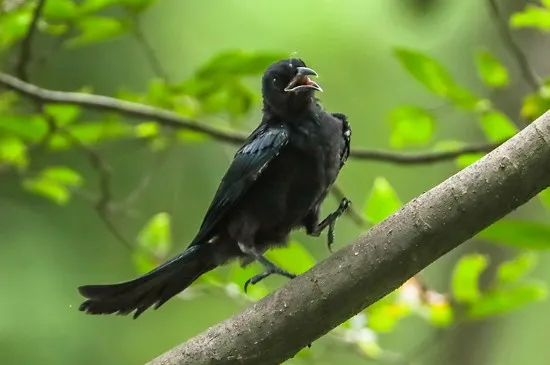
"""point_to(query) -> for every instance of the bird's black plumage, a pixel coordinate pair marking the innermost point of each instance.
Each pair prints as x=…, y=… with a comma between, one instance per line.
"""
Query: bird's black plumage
x=276, y=182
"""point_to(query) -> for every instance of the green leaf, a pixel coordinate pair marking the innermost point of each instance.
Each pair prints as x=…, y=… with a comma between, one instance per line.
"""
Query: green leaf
x=14, y=26
x=426, y=70
x=382, y=202
x=60, y=9
x=63, y=175
x=63, y=113
x=513, y=270
x=532, y=16
x=465, y=281
x=503, y=301
x=144, y=262
x=48, y=189
x=184, y=135
x=146, y=130
x=522, y=234
x=385, y=316
x=497, y=126
x=491, y=71
x=466, y=160
x=30, y=128
x=93, y=6
x=441, y=314
x=435, y=77
x=234, y=63
x=155, y=235
x=411, y=125
x=545, y=197
x=294, y=258
x=96, y=29
x=136, y=5
x=90, y=133
x=13, y=151
x=534, y=105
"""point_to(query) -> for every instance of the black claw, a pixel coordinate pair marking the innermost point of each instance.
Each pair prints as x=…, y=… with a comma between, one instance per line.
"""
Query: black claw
x=270, y=269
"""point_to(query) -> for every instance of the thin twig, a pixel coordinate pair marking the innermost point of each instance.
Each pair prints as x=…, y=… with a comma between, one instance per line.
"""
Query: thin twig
x=26, y=44
x=148, y=50
x=103, y=203
x=171, y=119
x=502, y=24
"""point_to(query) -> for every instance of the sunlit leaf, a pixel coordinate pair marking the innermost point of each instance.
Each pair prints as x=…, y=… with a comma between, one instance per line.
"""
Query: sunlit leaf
x=190, y=136
x=491, y=71
x=513, y=270
x=143, y=261
x=411, y=125
x=92, y=6
x=13, y=151
x=146, y=130
x=435, y=78
x=63, y=113
x=90, y=133
x=384, y=318
x=532, y=16
x=293, y=258
x=63, y=175
x=60, y=9
x=534, y=105
x=522, y=234
x=14, y=26
x=465, y=281
x=238, y=63
x=48, y=189
x=155, y=235
x=382, y=202
x=503, y=301
x=136, y=5
x=95, y=29
x=545, y=197
x=30, y=128
x=441, y=314
x=497, y=126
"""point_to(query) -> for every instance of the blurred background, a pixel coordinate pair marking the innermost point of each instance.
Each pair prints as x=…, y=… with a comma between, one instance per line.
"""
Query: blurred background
x=47, y=250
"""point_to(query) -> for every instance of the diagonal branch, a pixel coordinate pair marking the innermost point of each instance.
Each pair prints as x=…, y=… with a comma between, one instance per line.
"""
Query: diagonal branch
x=26, y=43
x=174, y=120
x=502, y=24
x=307, y=307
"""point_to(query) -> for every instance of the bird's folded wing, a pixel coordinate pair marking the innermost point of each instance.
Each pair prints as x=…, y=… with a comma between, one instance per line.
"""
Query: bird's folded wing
x=249, y=162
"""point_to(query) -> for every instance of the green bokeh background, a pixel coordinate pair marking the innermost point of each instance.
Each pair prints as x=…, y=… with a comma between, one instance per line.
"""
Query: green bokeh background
x=48, y=251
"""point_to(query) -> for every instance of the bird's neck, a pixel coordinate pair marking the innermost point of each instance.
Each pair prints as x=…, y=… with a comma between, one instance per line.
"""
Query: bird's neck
x=297, y=105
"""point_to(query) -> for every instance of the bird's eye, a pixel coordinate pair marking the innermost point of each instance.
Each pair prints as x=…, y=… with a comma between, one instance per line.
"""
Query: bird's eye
x=274, y=80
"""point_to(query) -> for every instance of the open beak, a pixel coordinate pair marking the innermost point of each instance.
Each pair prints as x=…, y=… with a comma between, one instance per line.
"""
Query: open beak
x=302, y=82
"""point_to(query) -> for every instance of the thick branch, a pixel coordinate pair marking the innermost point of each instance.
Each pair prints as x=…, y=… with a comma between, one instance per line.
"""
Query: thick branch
x=171, y=119
x=278, y=326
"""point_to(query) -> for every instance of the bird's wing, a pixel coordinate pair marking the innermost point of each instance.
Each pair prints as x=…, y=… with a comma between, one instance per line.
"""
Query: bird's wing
x=346, y=134
x=263, y=145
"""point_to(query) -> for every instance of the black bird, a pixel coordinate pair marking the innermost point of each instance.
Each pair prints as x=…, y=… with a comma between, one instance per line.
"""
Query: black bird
x=276, y=183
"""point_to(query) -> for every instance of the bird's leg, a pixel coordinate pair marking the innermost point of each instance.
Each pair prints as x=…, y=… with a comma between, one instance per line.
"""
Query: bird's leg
x=269, y=267
x=330, y=222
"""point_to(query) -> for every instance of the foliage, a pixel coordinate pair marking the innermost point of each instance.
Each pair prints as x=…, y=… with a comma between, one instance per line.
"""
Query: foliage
x=217, y=94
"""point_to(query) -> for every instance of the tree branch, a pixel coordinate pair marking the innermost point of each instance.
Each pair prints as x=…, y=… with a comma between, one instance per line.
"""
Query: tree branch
x=277, y=327
x=174, y=120
x=26, y=43
x=502, y=24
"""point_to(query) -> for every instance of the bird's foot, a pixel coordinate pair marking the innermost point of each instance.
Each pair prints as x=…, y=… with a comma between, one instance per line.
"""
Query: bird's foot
x=270, y=269
x=344, y=205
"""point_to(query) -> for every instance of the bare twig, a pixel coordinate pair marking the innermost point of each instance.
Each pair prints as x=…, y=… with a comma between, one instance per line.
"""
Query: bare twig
x=26, y=44
x=103, y=203
x=148, y=50
x=174, y=120
x=502, y=24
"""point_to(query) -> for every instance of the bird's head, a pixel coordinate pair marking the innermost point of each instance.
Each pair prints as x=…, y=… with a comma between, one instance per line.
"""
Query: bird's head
x=287, y=84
